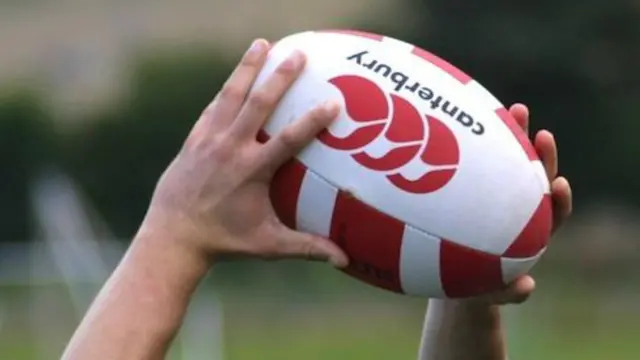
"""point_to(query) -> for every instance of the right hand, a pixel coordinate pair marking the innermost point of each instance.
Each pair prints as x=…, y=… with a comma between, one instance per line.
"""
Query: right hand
x=213, y=200
x=522, y=288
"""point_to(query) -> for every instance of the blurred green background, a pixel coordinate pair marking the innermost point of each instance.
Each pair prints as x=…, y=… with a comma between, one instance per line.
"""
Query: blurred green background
x=96, y=97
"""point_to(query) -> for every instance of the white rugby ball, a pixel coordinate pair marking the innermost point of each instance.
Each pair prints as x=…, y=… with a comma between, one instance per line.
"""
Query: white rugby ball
x=425, y=179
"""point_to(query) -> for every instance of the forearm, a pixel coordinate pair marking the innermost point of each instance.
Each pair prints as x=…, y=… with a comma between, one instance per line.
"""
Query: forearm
x=462, y=331
x=141, y=307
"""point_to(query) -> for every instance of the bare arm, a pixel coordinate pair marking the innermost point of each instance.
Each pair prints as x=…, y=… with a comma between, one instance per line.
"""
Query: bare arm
x=212, y=203
x=472, y=329
x=141, y=307
x=462, y=331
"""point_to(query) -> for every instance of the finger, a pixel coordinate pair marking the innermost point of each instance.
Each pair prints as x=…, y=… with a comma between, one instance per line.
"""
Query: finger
x=262, y=101
x=547, y=150
x=292, y=139
x=516, y=293
x=519, y=291
x=562, y=201
x=224, y=109
x=299, y=245
x=520, y=113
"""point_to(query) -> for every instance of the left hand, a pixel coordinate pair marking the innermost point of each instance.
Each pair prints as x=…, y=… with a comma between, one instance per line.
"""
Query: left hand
x=545, y=144
x=213, y=200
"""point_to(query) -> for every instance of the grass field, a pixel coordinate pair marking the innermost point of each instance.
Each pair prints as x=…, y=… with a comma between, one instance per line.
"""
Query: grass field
x=349, y=321
x=370, y=343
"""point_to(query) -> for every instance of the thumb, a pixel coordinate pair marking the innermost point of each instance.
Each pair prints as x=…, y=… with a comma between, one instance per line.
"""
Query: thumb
x=302, y=245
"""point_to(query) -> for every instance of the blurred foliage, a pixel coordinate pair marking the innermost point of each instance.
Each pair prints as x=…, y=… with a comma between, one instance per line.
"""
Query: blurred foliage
x=363, y=325
x=118, y=157
x=26, y=143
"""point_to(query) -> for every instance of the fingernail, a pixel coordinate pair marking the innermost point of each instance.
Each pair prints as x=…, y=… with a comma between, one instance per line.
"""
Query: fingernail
x=294, y=61
x=256, y=49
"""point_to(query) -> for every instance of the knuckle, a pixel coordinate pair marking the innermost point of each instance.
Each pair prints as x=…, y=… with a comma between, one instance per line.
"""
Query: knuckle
x=195, y=139
x=231, y=92
x=249, y=62
x=318, y=119
x=290, y=138
x=208, y=112
x=286, y=70
x=191, y=144
x=261, y=100
x=223, y=147
x=319, y=115
x=217, y=148
x=310, y=251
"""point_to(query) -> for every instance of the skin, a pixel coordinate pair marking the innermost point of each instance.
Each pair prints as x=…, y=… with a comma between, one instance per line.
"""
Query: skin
x=471, y=329
x=212, y=204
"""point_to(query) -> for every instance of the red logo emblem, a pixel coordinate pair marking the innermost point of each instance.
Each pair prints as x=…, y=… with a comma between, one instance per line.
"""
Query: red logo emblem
x=390, y=124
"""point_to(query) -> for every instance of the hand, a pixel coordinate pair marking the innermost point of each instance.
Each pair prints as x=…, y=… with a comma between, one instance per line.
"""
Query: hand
x=214, y=198
x=545, y=144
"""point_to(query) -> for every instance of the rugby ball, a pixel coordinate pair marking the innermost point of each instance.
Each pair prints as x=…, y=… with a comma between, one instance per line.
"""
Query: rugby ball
x=425, y=179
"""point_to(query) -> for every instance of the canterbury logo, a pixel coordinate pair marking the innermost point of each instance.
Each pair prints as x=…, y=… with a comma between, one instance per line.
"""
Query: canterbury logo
x=418, y=154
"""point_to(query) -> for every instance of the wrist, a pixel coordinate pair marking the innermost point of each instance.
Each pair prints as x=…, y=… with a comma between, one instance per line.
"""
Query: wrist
x=143, y=303
x=177, y=231
x=166, y=254
x=449, y=323
x=480, y=312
